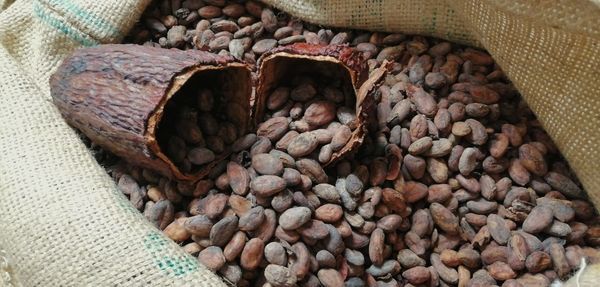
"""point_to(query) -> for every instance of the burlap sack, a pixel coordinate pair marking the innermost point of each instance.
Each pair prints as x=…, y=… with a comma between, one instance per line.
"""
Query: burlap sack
x=62, y=220
x=64, y=223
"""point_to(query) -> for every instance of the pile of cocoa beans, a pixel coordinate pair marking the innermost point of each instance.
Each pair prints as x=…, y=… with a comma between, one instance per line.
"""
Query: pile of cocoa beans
x=306, y=122
x=456, y=183
x=201, y=129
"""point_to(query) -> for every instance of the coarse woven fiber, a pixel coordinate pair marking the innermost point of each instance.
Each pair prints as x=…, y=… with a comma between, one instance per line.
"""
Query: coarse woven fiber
x=549, y=49
x=63, y=222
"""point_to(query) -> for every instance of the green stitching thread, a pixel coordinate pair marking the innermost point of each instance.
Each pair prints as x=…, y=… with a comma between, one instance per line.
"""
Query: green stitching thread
x=173, y=266
x=86, y=17
x=66, y=29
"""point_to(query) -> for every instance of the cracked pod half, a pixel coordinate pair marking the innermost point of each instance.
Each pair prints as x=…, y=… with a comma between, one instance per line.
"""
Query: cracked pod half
x=329, y=63
x=123, y=96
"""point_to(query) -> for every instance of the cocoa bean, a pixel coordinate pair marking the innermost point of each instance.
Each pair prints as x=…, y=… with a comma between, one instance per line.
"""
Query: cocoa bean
x=538, y=261
x=252, y=219
x=501, y=271
x=212, y=257
x=314, y=230
x=266, y=164
x=276, y=254
x=176, y=230
x=223, y=230
x=444, y=218
x=538, y=219
x=239, y=179
x=448, y=275
x=267, y=185
x=376, y=246
x=330, y=278
x=273, y=128
x=498, y=229
x=252, y=254
x=417, y=275
x=295, y=217
x=329, y=213
x=234, y=248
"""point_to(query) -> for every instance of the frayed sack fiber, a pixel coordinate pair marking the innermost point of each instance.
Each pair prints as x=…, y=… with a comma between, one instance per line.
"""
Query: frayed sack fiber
x=62, y=220
x=64, y=223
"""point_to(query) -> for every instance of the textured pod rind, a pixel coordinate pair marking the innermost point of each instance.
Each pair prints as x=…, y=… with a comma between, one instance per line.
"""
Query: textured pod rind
x=323, y=58
x=116, y=95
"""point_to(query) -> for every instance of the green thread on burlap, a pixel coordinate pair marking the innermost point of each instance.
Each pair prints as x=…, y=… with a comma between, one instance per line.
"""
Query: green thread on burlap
x=171, y=265
x=66, y=29
x=86, y=17
x=126, y=205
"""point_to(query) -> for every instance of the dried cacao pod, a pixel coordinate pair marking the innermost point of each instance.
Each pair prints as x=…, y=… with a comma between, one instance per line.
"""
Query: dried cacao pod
x=117, y=96
x=332, y=62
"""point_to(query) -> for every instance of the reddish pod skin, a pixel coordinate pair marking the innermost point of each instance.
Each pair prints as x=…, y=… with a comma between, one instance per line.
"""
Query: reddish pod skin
x=339, y=60
x=115, y=95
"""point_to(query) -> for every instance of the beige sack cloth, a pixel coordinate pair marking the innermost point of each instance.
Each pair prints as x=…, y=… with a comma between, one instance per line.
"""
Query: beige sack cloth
x=62, y=220
x=64, y=223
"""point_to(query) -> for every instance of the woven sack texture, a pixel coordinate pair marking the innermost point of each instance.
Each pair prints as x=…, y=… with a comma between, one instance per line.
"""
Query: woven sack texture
x=62, y=220
x=64, y=223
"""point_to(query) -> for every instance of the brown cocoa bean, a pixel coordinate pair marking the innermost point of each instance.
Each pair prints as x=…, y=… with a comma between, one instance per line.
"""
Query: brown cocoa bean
x=234, y=248
x=444, y=218
x=416, y=275
x=176, y=230
x=275, y=254
x=498, y=229
x=223, y=230
x=439, y=193
x=199, y=225
x=468, y=161
x=389, y=223
x=501, y=271
x=329, y=213
x=418, y=127
x=295, y=217
x=538, y=219
x=532, y=159
x=420, y=146
x=330, y=278
x=212, y=257
x=239, y=179
x=312, y=169
x=273, y=128
x=448, y=275
x=267, y=185
x=424, y=102
x=439, y=148
x=280, y=276
x=415, y=165
x=252, y=219
x=266, y=164
x=314, y=230
x=538, y=261
x=301, y=265
x=288, y=236
x=478, y=135
x=320, y=113
x=394, y=200
x=450, y=258
x=376, y=246
x=252, y=254
x=437, y=169
x=564, y=184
